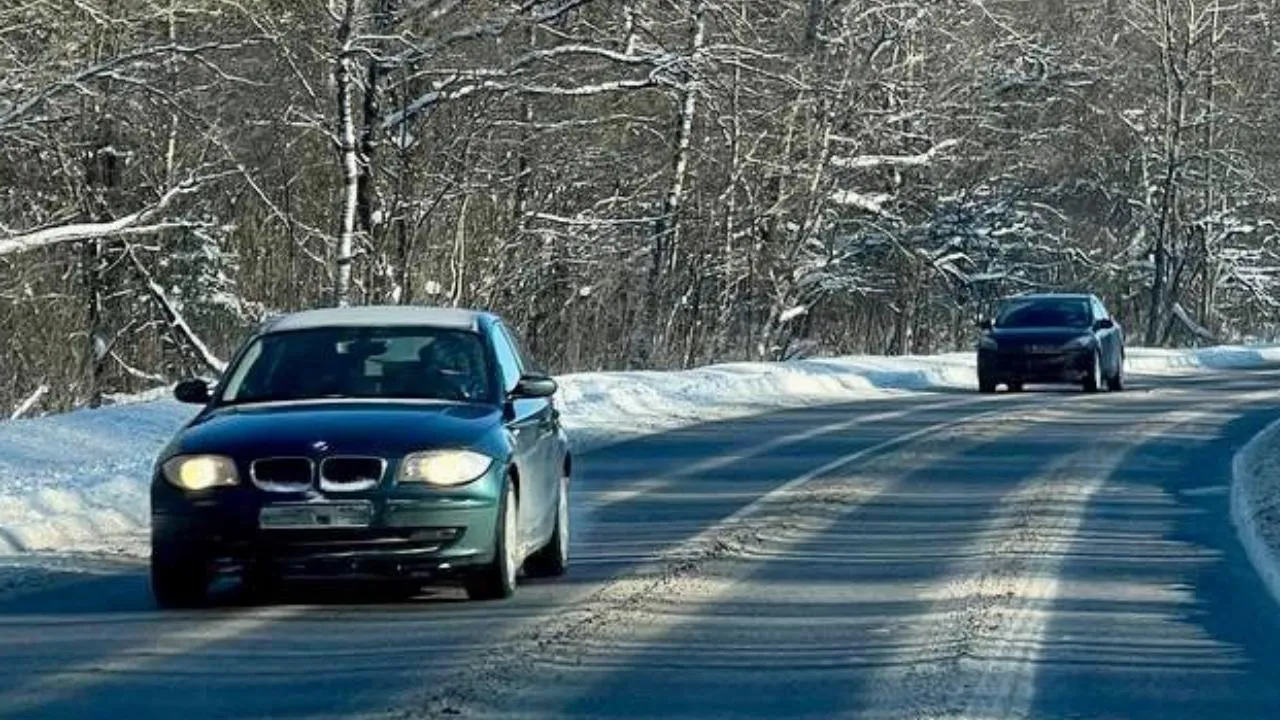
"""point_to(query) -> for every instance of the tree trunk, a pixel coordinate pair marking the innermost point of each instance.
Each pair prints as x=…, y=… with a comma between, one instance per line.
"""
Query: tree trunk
x=348, y=150
x=458, y=259
x=667, y=228
x=1175, y=120
x=1208, y=270
x=95, y=333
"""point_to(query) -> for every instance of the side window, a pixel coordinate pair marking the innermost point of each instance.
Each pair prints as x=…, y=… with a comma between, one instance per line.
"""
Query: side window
x=1099, y=310
x=522, y=351
x=508, y=360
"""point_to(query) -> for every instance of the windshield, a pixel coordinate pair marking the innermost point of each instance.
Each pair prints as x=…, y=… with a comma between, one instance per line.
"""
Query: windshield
x=410, y=363
x=1040, y=312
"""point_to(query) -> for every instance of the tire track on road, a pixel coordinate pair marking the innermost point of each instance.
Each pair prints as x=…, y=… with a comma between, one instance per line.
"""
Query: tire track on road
x=25, y=698
x=198, y=631
x=975, y=654
x=793, y=510
x=724, y=460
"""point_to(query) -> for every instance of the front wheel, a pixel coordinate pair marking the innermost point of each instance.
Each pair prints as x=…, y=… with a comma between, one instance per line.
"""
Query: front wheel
x=497, y=580
x=553, y=559
x=180, y=578
x=1093, y=380
x=261, y=583
x=1116, y=382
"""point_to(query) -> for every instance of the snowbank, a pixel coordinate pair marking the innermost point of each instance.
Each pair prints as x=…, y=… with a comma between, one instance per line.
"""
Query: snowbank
x=601, y=408
x=78, y=481
x=1255, y=503
x=1152, y=361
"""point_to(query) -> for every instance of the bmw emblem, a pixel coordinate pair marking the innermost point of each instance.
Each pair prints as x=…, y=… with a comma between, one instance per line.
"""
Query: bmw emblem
x=319, y=446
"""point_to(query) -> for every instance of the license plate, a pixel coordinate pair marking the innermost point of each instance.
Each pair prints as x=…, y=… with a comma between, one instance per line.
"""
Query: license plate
x=1043, y=349
x=316, y=515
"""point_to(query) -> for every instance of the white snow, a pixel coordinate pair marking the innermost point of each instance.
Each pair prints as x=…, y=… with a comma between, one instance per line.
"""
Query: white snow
x=1255, y=503
x=77, y=482
x=1152, y=361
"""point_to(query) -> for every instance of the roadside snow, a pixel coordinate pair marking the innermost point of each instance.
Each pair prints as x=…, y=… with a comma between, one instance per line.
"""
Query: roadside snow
x=77, y=482
x=1255, y=503
x=1158, y=361
x=603, y=408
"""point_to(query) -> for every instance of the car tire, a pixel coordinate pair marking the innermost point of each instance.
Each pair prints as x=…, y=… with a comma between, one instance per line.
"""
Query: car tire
x=497, y=580
x=261, y=583
x=1093, y=379
x=180, y=578
x=986, y=385
x=553, y=559
x=1016, y=387
x=1116, y=383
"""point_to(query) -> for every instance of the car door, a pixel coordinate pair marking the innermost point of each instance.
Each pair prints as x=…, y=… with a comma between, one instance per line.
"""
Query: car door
x=1109, y=339
x=544, y=471
x=522, y=423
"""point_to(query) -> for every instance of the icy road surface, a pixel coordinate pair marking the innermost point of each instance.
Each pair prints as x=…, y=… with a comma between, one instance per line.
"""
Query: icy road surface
x=1048, y=554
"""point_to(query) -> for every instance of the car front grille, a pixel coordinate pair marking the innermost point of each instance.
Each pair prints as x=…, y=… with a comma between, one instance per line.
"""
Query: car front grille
x=351, y=474
x=1042, y=349
x=283, y=474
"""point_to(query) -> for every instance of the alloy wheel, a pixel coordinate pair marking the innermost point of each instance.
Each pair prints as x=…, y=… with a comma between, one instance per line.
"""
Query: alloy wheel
x=510, y=539
x=562, y=519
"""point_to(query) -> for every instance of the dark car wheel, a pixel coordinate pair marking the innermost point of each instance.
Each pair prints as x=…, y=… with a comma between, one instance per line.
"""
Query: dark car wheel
x=1093, y=379
x=553, y=559
x=179, y=577
x=1116, y=382
x=497, y=580
x=986, y=385
x=1016, y=387
x=261, y=582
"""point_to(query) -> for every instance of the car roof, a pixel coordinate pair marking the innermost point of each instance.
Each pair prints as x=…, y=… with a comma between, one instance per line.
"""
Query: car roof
x=380, y=316
x=1052, y=296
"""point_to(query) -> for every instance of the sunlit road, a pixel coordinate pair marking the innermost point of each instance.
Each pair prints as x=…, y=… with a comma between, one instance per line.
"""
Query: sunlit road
x=1049, y=554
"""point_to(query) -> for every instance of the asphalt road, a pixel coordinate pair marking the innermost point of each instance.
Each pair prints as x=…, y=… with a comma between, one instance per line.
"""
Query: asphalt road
x=1048, y=554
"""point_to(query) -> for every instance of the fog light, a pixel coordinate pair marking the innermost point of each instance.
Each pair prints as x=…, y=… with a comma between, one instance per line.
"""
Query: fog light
x=437, y=534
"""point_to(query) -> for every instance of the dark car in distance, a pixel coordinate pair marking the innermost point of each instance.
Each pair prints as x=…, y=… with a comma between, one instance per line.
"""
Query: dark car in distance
x=394, y=441
x=1051, y=338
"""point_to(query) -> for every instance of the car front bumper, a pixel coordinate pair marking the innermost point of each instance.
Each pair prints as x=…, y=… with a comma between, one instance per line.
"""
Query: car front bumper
x=419, y=533
x=1013, y=366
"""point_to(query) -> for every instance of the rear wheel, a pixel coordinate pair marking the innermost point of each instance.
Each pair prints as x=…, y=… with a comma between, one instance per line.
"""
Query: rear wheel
x=180, y=577
x=553, y=559
x=1015, y=387
x=497, y=580
x=986, y=385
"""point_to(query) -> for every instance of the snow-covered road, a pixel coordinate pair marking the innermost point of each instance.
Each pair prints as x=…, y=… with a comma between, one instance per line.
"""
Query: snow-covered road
x=926, y=554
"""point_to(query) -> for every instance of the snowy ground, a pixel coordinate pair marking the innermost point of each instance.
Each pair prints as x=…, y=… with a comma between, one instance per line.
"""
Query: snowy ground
x=1255, y=503
x=77, y=483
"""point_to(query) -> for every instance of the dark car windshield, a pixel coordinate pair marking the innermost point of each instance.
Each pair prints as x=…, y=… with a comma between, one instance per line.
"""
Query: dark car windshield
x=409, y=363
x=1041, y=312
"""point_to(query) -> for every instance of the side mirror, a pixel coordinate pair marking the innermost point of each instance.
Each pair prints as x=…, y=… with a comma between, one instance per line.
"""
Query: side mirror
x=1104, y=324
x=984, y=324
x=194, y=391
x=534, y=386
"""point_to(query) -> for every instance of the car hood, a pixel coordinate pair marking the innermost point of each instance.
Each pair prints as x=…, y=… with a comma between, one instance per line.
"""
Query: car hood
x=383, y=428
x=1037, y=336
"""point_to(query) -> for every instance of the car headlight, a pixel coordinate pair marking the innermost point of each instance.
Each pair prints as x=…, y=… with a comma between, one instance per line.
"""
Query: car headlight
x=201, y=472
x=1078, y=343
x=987, y=343
x=444, y=467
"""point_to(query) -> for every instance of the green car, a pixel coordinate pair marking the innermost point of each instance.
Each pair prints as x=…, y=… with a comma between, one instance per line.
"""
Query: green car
x=404, y=442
